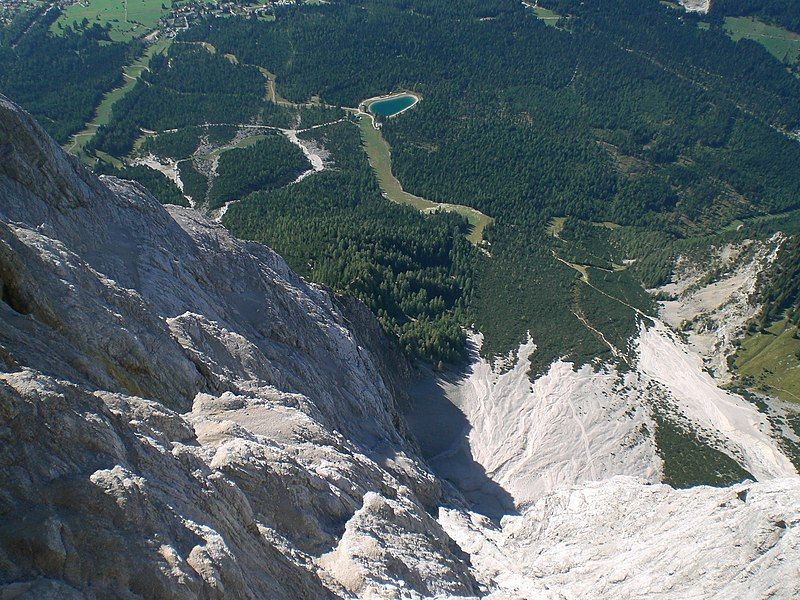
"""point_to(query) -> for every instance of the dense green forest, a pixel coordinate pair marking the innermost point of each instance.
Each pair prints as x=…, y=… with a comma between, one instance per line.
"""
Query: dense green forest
x=59, y=79
x=412, y=271
x=195, y=183
x=643, y=135
x=625, y=114
x=779, y=288
x=176, y=144
x=164, y=190
x=691, y=460
x=271, y=162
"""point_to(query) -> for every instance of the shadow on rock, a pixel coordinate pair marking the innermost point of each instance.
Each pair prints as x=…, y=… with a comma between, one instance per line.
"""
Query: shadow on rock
x=442, y=431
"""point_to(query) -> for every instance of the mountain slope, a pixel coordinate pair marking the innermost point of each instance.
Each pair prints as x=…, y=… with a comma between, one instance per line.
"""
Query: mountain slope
x=182, y=416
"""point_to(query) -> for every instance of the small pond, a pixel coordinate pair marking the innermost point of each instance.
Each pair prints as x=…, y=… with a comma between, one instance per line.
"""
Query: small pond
x=388, y=107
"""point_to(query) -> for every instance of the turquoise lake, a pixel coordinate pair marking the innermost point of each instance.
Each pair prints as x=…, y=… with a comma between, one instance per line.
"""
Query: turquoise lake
x=391, y=106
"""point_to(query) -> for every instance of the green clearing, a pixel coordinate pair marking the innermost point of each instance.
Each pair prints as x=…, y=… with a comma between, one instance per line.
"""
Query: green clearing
x=102, y=115
x=129, y=19
x=380, y=159
x=768, y=362
x=781, y=43
x=211, y=49
x=140, y=140
x=547, y=16
x=556, y=226
x=111, y=160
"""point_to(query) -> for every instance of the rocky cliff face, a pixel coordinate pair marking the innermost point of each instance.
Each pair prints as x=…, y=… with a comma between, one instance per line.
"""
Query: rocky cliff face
x=182, y=416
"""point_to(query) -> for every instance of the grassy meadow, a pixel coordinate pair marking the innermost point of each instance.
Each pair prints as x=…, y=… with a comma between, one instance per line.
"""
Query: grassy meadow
x=781, y=43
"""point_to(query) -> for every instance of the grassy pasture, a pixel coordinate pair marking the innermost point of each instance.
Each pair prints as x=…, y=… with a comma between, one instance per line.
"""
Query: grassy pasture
x=547, y=16
x=128, y=18
x=243, y=143
x=781, y=43
x=768, y=361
